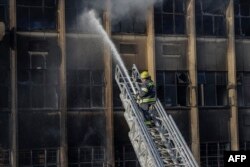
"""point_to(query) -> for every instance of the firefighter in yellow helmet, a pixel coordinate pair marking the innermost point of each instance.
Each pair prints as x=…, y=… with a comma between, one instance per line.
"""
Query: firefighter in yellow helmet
x=147, y=96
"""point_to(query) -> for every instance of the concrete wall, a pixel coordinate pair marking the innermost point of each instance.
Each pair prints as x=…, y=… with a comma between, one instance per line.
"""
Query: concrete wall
x=177, y=58
x=211, y=54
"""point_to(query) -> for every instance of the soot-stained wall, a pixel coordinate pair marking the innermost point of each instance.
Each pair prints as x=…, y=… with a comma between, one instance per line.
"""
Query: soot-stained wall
x=5, y=130
x=38, y=130
x=211, y=55
x=242, y=49
x=86, y=129
x=214, y=125
x=244, y=124
x=133, y=54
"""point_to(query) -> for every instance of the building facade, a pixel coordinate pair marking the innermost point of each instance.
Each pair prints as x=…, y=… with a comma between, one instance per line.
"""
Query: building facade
x=59, y=103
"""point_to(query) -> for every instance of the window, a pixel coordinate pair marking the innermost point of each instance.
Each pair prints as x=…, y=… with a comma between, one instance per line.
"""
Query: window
x=85, y=89
x=242, y=18
x=170, y=17
x=5, y=157
x=172, y=88
x=36, y=15
x=129, y=16
x=37, y=79
x=245, y=145
x=210, y=18
x=131, y=24
x=212, y=153
x=4, y=11
x=87, y=156
x=125, y=156
x=243, y=84
x=5, y=88
x=75, y=21
x=39, y=157
x=212, y=89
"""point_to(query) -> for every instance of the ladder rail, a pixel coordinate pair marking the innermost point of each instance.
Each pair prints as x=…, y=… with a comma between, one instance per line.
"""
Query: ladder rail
x=148, y=141
x=171, y=127
x=181, y=144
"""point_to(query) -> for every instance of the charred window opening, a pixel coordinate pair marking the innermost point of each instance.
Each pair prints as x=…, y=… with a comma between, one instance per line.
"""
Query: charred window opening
x=172, y=88
x=211, y=18
x=244, y=145
x=212, y=153
x=4, y=11
x=87, y=156
x=131, y=24
x=212, y=89
x=36, y=15
x=243, y=85
x=169, y=17
x=39, y=157
x=125, y=156
x=85, y=89
x=242, y=18
x=74, y=14
x=5, y=157
x=37, y=78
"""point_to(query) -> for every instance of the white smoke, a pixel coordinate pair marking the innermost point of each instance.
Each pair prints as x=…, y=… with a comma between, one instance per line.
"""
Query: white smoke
x=123, y=8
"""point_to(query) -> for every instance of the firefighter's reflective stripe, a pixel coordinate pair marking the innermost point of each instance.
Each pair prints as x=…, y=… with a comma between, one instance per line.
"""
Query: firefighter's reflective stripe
x=144, y=89
x=147, y=100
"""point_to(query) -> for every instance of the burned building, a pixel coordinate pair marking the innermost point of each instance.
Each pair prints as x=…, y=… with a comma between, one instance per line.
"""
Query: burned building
x=59, y=103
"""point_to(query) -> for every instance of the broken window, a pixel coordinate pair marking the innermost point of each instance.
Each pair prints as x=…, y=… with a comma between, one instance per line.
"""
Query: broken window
x=125, y=156
x=242, y=17
x=211, y=18
x=243, y=84
x=87, y=156
x=169, y=17
x=212, y=89
x=212, y=153
x=39, y=157
x=37, y=80
x=132, y=23
x=74, y=14
x=128, y=16
x=5, y=157
x=172, y=88
x=36, y=15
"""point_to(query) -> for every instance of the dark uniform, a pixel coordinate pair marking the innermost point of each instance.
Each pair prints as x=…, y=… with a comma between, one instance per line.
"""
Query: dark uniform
x=147, y=96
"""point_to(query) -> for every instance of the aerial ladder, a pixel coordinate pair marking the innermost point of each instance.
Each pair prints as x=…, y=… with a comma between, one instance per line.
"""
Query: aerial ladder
x=161, y=145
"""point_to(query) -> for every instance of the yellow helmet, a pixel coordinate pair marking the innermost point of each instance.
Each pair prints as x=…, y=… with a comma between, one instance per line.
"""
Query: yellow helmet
x=144, y=75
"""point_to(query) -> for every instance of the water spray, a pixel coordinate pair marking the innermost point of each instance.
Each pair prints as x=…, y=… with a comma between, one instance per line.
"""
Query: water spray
x=98, y=27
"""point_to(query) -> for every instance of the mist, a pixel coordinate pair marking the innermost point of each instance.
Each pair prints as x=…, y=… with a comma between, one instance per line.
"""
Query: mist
x=124, y=8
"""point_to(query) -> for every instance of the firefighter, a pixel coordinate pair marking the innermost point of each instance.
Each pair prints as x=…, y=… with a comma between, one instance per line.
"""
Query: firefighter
x=147, y=96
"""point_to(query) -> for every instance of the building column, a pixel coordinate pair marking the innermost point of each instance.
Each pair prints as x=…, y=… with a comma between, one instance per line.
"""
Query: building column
x=108, y=90
x=13, y=78
x=192, y=69
x=232, y=84
x=151, y=43
x=63, y=86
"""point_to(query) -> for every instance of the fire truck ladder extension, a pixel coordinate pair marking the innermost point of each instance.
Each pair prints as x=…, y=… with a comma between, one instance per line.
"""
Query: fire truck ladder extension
x=161, y=145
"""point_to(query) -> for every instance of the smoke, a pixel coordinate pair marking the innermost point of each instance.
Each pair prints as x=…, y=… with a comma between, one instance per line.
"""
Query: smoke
x=214, y=6
x=124, y=8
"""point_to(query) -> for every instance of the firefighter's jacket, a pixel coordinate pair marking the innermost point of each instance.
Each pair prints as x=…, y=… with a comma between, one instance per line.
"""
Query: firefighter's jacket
x=147, y=93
